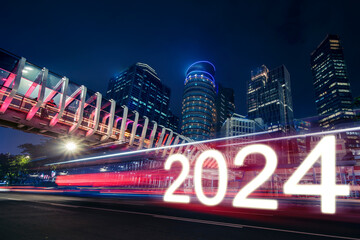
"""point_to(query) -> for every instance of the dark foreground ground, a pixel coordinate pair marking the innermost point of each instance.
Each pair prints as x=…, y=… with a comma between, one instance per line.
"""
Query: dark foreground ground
x=31, y=216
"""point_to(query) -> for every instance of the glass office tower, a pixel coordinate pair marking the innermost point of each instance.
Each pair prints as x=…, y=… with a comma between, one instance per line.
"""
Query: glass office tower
x=139, y=88
x=198, y=106
x=269, y=97
x=281, y=74
x=225, y=106
x=333, y=96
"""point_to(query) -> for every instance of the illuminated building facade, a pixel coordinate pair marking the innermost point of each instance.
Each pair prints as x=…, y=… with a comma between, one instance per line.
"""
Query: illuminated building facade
x=238, y=125
x=225, y=106
x=282, y=76
x=140, y=89
x=269, y=97
x=198, y=105
x=333, y=96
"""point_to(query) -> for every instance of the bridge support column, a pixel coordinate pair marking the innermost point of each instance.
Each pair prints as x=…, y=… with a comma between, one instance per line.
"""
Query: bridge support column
x=96, y=114
x=134, y=128
x=123, y=124
x=169, y=137
x=183, y=142
x=80, y=112
x=168, y=142
x=143, y=133
x=42, y=79
x=152, y=136
x=17, y=79
x=111, y=121
x=159, y=143
x=64, y=85
x=176, y=141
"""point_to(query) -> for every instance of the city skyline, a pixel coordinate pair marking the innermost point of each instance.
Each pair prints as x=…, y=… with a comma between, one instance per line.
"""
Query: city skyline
x=297, y=45
x=97, y=52
x=38, y=139
x=192, y=119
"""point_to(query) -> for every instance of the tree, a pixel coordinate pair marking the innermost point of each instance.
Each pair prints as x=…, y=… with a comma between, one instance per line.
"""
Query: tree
x=4, y=165
x=13, y=168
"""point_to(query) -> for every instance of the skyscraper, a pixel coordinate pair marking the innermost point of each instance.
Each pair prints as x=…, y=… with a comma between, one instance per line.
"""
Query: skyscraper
x=198, y=106
x=225, y=105
x=269, y=97
x=139, y=88
x=281, y=74
x=333, y=96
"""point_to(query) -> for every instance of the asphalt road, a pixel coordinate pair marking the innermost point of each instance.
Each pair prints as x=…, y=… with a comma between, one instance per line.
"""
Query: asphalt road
x=36, y=216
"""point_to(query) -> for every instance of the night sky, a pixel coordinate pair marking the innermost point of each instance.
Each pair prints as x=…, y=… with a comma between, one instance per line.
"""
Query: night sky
x=90, y=41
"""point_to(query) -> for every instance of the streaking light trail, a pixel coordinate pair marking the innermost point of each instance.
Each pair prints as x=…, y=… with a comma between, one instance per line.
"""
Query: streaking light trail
x=128, y=153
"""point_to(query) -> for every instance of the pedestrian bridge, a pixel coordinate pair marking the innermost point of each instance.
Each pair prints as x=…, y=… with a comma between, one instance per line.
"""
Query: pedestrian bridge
x=36, y=100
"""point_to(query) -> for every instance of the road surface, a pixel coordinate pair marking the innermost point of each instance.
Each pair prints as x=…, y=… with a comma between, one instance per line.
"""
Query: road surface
x=39, y=216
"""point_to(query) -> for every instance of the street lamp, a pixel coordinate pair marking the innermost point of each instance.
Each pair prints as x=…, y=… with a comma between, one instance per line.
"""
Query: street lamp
x=70, y=146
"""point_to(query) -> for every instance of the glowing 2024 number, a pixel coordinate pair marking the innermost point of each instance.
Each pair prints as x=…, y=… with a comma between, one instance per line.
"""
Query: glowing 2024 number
x=328, y=189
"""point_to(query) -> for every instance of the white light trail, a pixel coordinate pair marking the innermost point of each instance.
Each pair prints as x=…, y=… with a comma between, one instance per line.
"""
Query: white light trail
x=292, y=136
x=206, y=141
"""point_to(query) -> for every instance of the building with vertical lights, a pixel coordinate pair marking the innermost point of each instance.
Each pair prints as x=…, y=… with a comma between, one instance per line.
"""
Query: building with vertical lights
x=225, y=106
x=333, y=96
x=269, y=97
x=140, y=89
x=281, y=74
x=198, y=105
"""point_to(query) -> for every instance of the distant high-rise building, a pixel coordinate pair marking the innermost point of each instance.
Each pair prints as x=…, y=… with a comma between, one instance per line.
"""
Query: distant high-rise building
x=282, y=75
x=238, y=125
x=269, y=97
x=333, y=96
x=139, y=88
x=225, y=105
x=173, y=122
x=198, y=105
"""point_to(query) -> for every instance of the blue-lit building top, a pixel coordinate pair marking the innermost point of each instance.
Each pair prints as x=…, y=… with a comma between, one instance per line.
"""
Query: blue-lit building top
x=198, y=106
